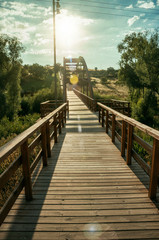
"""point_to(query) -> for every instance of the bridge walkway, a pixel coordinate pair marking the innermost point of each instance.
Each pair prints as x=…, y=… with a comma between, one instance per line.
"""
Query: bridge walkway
x=86, y=192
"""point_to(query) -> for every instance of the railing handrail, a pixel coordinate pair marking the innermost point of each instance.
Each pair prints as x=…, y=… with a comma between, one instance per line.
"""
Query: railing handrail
x=128, y=125
x=83, y=94
x=112, y=100
x=46, y=129
x=9, y=147
x=146, y=129
x=120, y=101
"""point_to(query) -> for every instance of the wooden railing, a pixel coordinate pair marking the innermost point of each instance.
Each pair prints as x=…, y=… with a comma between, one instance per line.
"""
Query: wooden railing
x=50, y=105
x=111, y=120
x=120, y=106
x=90, y=102
x=40, y=134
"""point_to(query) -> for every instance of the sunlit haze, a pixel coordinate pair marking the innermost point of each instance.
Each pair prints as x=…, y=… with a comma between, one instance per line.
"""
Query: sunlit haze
x=90, y=29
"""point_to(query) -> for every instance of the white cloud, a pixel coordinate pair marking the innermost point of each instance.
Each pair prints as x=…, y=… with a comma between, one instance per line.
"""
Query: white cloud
x=39, y=52
x=132, y=20
x=146, y=5
x=41, y=41
x=130, y=6
x=31, y=10
x=157, y=2
x=19, y=29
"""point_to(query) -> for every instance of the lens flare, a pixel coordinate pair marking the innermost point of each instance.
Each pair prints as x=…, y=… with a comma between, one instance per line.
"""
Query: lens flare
x=74, y=79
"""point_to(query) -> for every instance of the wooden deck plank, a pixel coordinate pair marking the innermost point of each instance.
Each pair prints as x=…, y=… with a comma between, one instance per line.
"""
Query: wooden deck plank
x=86, y=191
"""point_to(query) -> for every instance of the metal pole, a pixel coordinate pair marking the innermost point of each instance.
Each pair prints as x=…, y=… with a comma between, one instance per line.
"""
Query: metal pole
x=54, y=35
x=64, y=81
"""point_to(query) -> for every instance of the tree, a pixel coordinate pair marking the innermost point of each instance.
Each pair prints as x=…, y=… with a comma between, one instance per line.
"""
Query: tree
x=111, y=73
x=139, y=70
x=10, y=65
x=140, y=60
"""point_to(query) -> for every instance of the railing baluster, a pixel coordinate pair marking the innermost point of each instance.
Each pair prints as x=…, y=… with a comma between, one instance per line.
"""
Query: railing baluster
x=129, y=143
x=154, y=170
x=107, y=121
x=26, y=170
x=99, y=114
x=65, y=111
x=62, y=117
x=48, y=139
x=102, y=117
x=113, y=128
x=55, y=128
x=123, y=138
x=44, y=144
x=68, y=107
x=59, y=122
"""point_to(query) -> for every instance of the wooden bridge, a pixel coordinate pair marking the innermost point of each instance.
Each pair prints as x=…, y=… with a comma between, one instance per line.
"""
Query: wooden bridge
x=85, y=190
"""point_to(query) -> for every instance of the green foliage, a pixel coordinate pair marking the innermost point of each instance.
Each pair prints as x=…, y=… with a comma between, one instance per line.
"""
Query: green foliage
x=110, y=73
x=104, y=80
x=145, y=109
x=13, y=97
x=41, y=96
x=139, y=70
x=97, y=96
x=8, y=128
x=140, y=150
x=31, y=104
x=140, y=60
x=36, y=77
x=10, y=64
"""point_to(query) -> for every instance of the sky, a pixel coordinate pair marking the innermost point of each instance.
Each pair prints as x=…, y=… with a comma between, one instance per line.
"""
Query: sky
x=88, y=28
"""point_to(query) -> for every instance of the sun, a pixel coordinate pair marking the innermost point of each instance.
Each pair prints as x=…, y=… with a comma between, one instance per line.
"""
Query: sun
x=67, y=30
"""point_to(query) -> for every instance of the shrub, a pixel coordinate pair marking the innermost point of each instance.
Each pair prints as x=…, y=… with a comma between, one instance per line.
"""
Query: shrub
x=9, y=128
x=104, y=80
x=145, y=109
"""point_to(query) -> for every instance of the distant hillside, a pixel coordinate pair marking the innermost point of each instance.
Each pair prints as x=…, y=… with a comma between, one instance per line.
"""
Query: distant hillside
x=110, y=89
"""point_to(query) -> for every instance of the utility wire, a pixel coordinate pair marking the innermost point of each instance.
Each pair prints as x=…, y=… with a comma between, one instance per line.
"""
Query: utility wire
x=95, y=2
x=112, y=14
x=102, y=13
x=115, y=4
x=76, y=4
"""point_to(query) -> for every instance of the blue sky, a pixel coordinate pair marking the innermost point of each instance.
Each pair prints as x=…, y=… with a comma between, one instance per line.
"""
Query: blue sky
x=91, y=29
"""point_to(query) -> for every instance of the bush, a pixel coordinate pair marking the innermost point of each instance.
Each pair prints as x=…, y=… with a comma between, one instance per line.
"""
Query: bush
x=41, y=96
x=145, y=109
x=104, y=80
x=26, y=107
x=8, y=128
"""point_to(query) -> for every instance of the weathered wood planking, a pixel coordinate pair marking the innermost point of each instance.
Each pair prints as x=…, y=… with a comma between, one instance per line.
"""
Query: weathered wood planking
x=86, y=192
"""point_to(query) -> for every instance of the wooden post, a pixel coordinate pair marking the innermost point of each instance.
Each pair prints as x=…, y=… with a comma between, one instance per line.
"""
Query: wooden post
x=44, y=145
x=106, y=121
x=68, y=107
x=55, y=128
x=59, y=122
x=48, y=139
x=113, y=128
x=26, y=171
x=62, y=117
x=102, y=117
x=65, y=110
x=123, y=138
x=154, y=170
x=129, y=144
x=99, y=114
